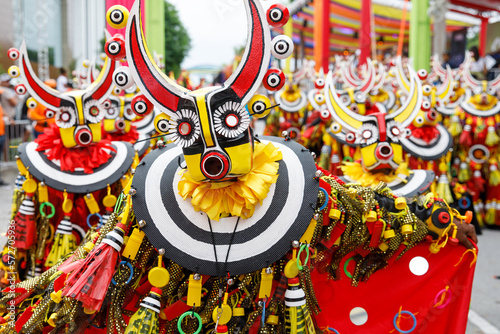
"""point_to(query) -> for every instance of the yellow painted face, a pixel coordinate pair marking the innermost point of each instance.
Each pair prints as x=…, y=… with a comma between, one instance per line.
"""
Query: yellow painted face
x=215, y=135
x=382, y=156
x=118, y=115
x=79, y=120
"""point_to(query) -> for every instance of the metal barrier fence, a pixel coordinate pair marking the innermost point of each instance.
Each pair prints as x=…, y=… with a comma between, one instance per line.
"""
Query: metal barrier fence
x=15, y=134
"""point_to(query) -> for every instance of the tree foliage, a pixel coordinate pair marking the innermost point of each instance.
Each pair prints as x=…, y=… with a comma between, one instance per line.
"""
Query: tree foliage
x=177, y=40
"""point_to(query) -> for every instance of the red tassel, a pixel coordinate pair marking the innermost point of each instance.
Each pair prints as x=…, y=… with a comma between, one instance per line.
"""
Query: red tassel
x=466, y=136
x=25, y=232
x=23, y=319
x=479, y=182
x=91, y=281
x=335, y=165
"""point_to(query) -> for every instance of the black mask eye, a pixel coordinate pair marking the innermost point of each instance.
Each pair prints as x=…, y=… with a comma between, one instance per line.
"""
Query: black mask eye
x=231, y=119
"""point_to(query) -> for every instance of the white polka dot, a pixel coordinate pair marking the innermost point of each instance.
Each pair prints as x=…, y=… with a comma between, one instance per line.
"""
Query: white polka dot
x=358, y=316
x=419, y=266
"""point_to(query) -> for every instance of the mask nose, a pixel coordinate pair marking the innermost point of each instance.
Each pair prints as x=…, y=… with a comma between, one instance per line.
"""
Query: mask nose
x=83, y=136
x=120, y=124
x=384, y=152
x=215, y=165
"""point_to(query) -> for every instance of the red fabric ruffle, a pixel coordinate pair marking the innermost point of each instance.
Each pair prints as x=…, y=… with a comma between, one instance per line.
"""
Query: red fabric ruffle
x=426, y=133
x=88, y=158
x=130, y=137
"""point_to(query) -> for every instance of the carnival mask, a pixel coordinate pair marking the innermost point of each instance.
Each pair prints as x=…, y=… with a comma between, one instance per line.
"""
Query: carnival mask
x=211, y=125
x=78, y=113
x=379, y=134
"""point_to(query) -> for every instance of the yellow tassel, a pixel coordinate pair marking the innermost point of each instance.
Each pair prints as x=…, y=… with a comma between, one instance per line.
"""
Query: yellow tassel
x=494, y=179
x=492, y=139
x=464, y=173
x=455, y=126
x=443, y=188
x=145, y=320
x=478, y=210
x=491, y=211
x=297, y=317
x=64, y=243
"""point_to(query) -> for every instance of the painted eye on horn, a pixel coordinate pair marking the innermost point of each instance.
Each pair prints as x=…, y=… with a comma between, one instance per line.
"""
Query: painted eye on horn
x=162, y=124
x=319, y=98
x=20, y=89
x=117, y=16
x=324, y=115
x=426, y=106
x=31, y=103
x=115, y=48
x=278, y=15
x=259, y=106
x=319, y=83
x=116, y=91
x=282, y=47
x=427, y=90
x=336, y=128
x=422, y=74
x=13, y=54
x=350, y=138
x=13, y=71
x=274, y=80
x=231, y=119
x=141, y=105
x=122, y=78
x=49, y=113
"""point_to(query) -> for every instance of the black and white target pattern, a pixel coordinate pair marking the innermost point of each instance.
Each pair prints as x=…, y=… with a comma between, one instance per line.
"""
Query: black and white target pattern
x=408, y=186
x=77, y=182
x=429, y=151
x=172, y=223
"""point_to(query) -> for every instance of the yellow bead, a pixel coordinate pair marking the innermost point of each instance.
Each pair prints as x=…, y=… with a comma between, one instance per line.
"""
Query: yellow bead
x=383, y=246
x=239, y=312
x=67, y=205
x=266, y=284
x=29, y=186
x=117, y=16
x=389, y=234
x=56, y=296
x=194, y=291
x=272, y=320
x=133, y=244
x=88, y=311
x=109, y=201
x=407, y=229
x=335, y=214
x=371, y=217
x=52, y=320
x=91, y=203
x=158, y=277
x=43, y=194
x=400, y=203
x=291, y=269
x=224, y=314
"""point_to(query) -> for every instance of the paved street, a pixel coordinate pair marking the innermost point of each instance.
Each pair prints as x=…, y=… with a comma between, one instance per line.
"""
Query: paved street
x=484, y=317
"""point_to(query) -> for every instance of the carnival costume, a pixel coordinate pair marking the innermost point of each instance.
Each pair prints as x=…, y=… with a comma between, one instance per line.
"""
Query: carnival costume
x=220, y=220
x=71, y=175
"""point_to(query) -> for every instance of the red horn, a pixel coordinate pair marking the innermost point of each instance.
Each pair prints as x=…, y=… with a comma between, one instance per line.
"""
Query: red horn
x=249, y=74
x=103, y=84
x=154, y=84
x=41, y=92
